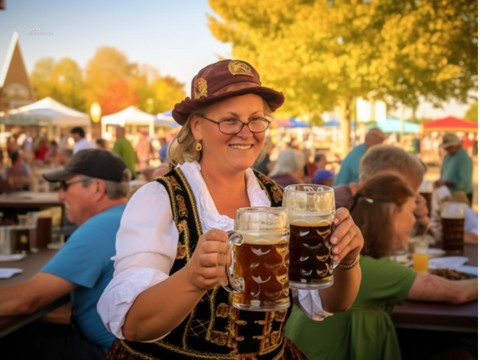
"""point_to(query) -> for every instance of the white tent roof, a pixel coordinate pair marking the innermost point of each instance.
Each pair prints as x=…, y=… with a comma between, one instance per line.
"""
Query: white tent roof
x=48, y=111
x=133, y=116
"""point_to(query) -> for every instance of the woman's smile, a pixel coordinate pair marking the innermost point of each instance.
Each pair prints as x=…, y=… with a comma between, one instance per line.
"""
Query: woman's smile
x=241, y=146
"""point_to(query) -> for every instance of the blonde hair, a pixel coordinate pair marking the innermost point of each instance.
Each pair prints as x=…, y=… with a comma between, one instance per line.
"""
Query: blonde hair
x=182, y=148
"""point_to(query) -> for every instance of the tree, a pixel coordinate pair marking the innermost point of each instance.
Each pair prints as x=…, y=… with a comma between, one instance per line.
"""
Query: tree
x=107, y=69
x=118, y=95
x=41, y=77
x=168, y=92
x=327, y=53
x=68, y=85
x=60, y=80
x=472, y=113
x=116, y=83
x=157, y=93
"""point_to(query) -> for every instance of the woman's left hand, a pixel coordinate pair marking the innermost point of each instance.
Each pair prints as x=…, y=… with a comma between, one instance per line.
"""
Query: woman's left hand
x=347, y=239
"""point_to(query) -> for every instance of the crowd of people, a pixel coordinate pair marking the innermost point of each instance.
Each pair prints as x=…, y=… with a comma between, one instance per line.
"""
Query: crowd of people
x=29, y=157
x=142, y=270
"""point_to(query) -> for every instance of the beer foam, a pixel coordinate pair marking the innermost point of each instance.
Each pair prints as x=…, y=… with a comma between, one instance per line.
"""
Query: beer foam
x=453, y=210
x=265, y=237
x=319, y=202
x=426, y=187
x=453, y=216
x=308, y=220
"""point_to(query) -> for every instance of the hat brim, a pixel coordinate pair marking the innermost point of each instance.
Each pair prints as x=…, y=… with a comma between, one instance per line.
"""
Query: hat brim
x=451, y=143
x=183, y=110
x=54, y=176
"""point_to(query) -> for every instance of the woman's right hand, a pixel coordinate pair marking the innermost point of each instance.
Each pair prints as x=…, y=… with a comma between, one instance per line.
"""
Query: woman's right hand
x=202, y=271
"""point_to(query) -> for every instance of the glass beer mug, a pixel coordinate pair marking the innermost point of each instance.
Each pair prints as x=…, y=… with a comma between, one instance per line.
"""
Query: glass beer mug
x=453, y=222
x=426, y=190
x=311, y=210
x=258, y=273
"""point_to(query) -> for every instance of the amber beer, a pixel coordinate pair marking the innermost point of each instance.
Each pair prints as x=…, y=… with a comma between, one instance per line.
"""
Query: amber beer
x=453, y=222
x=311, y=263
x=257, y=276
x=262, y=262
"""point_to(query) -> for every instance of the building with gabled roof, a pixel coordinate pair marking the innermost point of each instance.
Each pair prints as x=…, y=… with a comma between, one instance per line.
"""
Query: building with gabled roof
x=15, y=86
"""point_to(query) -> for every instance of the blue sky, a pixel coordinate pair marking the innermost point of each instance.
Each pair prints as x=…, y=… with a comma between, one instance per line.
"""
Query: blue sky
x=170, y=35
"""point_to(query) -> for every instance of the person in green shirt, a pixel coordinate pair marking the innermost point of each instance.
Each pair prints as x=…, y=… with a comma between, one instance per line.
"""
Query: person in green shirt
x=383, y=209
x=124, y=149
x=457, y=167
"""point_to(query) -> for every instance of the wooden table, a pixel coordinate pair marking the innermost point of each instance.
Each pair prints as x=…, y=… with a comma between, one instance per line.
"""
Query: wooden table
x=32, y=201
x=30, y=266
x=29, y=199
x=437, y=316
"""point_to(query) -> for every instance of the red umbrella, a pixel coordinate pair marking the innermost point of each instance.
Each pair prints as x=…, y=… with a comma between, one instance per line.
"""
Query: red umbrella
x=450, y=124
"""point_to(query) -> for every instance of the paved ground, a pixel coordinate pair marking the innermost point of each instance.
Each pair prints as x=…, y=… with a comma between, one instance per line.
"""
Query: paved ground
x=433, y=174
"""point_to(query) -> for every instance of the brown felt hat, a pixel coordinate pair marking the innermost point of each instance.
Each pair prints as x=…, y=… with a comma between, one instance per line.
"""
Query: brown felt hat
x=221, y=80
x=450, y=140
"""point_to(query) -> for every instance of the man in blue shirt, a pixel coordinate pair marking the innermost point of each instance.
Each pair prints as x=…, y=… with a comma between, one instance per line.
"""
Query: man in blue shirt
x=350, y=168
x=163, y=152
x=457, y=167
x=94, y=186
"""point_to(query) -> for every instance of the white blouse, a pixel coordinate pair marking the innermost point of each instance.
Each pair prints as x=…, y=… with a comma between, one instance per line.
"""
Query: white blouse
x=147, y=245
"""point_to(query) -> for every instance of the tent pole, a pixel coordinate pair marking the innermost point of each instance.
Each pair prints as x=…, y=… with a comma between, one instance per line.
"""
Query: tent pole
x=57, y=134
x=151, y=131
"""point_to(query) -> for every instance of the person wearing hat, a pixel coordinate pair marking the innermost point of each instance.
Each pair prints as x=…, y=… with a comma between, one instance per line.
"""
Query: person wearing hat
x=323, y=177
x=94, y=186
x=457, y=167
x=165, y=300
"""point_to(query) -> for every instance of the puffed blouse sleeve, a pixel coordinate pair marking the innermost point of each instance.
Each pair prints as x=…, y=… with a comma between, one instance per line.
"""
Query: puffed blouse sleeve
x=146, y=248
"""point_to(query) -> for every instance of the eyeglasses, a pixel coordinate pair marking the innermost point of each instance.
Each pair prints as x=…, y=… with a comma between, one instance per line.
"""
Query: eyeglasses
x=234, y=126
x=65, y=184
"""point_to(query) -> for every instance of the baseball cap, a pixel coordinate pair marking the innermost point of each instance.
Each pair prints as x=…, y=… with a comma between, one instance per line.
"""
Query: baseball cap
x=322, y=175
x=95, y=163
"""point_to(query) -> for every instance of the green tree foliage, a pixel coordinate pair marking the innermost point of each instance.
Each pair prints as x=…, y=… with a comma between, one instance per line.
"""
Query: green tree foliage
x=41, y=77
x=472, y=113
x=69, y=87
x=157, y=93
x=327, y=53
x=60, y=80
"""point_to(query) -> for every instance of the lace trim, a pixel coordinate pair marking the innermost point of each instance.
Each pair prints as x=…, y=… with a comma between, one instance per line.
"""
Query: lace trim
x=211, y=219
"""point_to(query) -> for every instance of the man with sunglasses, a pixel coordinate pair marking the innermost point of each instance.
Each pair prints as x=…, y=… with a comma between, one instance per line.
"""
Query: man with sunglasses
x=94, y=186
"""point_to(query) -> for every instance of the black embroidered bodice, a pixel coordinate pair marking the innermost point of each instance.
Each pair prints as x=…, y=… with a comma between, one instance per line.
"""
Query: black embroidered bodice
x=214, y=329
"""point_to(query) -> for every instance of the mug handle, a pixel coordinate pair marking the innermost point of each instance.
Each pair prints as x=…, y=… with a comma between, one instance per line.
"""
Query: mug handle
x=228, y=281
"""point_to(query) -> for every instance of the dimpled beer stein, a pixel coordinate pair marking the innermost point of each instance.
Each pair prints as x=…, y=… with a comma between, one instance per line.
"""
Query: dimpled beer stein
x=311, y=210
x=258, y=273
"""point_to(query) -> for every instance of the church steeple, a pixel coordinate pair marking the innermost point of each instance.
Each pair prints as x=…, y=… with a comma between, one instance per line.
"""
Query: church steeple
x=15, y=86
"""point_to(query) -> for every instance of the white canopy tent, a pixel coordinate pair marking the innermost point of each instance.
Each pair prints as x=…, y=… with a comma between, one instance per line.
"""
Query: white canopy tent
x=47, y=112
x=133, y=116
